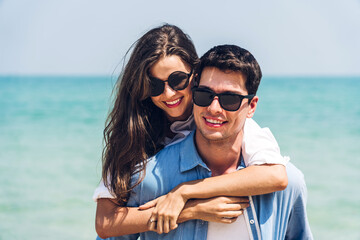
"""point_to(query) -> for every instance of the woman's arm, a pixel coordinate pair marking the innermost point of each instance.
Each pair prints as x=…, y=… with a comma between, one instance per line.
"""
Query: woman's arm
x=216, y=209
x=113, y=220
x=253, y=180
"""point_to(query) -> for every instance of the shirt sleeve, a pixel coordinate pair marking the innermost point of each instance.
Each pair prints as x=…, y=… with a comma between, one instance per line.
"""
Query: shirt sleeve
x=102, y=192
x=298, y=227
x=259, y=146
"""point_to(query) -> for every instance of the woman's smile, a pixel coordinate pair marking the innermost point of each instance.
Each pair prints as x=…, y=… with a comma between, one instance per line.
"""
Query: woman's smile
x=175, y=103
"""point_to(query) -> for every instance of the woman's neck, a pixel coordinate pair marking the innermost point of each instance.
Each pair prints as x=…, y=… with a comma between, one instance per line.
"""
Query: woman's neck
x=182, y=117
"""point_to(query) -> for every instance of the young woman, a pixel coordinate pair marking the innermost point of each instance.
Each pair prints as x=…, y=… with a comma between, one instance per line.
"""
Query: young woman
x=153, y=109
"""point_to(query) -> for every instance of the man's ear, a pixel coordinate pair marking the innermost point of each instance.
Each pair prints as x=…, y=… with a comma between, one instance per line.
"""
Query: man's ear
x=252, y=107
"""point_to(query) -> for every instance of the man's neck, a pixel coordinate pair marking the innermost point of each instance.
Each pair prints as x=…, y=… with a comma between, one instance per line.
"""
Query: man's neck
x=221, y=156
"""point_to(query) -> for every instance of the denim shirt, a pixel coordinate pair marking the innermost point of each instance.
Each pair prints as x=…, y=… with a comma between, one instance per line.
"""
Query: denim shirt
x=278, y=215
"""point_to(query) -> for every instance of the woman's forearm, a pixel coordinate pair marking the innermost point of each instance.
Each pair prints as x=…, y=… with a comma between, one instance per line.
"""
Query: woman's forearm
x=253, y=180
x=216, y=209
x=112, y=220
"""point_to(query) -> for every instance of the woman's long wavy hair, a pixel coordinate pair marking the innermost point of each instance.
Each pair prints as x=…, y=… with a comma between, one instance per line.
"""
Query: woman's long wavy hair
x=135, y=127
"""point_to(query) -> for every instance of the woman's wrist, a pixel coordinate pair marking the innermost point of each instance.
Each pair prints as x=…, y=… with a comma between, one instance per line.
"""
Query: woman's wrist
x=189, y=212
x=183, y=191
x=187, y=190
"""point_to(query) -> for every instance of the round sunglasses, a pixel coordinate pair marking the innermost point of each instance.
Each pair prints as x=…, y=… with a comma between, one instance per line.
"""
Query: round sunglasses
x=177, y=80
x=203, y=97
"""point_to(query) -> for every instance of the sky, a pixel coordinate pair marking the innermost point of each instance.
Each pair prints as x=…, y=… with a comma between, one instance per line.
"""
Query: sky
x=90, y=37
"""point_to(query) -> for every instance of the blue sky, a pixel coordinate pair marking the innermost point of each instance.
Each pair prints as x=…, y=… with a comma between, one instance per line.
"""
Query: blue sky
x=88, y=37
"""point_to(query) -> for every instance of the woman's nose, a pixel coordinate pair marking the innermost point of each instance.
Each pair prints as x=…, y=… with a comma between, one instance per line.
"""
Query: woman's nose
x=168, y=91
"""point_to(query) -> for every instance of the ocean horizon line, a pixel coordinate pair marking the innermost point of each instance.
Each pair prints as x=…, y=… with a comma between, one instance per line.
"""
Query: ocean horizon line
x=281, y=76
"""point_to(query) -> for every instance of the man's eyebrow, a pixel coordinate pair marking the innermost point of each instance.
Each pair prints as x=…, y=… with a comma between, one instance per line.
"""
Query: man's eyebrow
x=205, y=87
x=231, y=92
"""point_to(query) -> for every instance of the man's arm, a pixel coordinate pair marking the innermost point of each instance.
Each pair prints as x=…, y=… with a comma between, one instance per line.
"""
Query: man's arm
x=298, y=226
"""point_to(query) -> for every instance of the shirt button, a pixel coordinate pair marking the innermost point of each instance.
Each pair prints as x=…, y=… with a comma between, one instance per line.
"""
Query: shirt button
x=252, y=221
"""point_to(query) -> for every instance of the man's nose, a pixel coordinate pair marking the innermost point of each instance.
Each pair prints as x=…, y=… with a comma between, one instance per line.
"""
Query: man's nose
x=215, y=106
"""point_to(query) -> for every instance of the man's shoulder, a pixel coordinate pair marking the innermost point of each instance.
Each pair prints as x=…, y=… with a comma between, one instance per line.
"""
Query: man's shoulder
x=162, y=173
x=170, y=151
x=158, y=171
x=296, y=180
x=174, y=151
x=168, y=158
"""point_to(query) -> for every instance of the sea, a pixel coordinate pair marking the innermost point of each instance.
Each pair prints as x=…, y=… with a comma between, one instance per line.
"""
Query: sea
x=51, y=142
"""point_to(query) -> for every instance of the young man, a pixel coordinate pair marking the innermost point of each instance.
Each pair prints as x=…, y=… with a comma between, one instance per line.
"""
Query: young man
x=224, y=96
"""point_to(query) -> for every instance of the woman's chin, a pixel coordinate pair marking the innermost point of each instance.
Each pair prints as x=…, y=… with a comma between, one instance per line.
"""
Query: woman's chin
x=177, y=116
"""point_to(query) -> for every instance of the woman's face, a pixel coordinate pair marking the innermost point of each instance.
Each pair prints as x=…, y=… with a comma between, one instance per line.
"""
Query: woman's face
x=176, y=104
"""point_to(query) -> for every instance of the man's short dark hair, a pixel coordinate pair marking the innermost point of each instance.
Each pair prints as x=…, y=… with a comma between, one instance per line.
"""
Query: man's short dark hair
x=232, y=58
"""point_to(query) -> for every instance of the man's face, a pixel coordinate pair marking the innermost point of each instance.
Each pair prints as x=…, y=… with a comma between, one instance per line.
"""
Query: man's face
x=213, y=122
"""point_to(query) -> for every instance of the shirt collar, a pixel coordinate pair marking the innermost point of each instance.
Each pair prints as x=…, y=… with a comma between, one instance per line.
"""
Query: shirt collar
x=189, y=157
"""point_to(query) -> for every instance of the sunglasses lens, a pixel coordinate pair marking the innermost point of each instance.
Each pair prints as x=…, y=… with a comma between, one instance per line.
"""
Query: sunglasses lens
x=230, y=102
x=157, y=86
x=178, y=80
x=202, y=98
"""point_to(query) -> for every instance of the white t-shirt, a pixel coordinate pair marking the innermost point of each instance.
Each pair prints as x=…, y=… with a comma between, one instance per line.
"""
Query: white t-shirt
x=237, y=230
x=258, y=147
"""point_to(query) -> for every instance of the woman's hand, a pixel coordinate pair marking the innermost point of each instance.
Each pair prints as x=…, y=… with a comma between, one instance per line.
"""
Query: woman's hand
x=217, y=209
x=166, y=211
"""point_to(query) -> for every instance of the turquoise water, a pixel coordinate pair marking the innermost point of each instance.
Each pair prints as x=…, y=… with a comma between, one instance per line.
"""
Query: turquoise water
x=51, y=143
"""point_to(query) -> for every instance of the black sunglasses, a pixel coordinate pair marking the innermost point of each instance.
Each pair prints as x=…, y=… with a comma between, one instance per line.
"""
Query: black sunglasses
x=229, y=101
x=177, y=80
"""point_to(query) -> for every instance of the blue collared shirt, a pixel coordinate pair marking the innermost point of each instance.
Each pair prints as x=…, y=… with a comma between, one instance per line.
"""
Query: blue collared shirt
x=278, y=215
